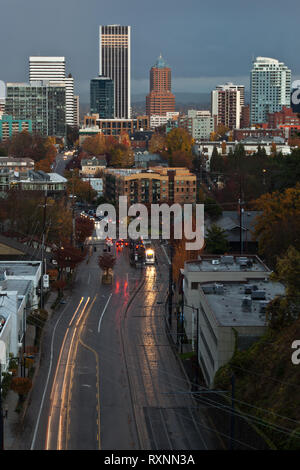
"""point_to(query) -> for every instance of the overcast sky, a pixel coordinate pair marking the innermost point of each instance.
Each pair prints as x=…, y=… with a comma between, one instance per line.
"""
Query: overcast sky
x=204, y=42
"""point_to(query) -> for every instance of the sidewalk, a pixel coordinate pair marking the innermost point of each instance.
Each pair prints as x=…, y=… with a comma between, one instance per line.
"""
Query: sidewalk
x=12, y=424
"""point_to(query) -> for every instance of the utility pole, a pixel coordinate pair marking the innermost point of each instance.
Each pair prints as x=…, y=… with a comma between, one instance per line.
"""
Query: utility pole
x=43, y=248
x=170, y=285
x=232, y=425
x=241, y=211
x=73, y=210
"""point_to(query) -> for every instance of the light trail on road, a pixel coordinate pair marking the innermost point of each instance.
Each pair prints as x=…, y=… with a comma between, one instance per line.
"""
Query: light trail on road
x=57, y=395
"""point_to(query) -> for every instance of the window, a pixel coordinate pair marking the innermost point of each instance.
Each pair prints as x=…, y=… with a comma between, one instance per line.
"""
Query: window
x=194, y=285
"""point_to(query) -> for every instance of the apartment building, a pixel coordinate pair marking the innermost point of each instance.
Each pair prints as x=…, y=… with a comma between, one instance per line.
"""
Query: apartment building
x=10, y=126
x=270, y=88
x=199, y=124
x=226, y=105
x=158, y=185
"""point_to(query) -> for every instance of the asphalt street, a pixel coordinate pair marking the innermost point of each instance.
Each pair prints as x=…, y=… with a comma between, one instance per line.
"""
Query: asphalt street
x=109, y=378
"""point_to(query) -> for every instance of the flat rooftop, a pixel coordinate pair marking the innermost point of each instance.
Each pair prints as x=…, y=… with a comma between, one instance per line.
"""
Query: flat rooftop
x=227, y=263
x=20, y=268
x=234, y=306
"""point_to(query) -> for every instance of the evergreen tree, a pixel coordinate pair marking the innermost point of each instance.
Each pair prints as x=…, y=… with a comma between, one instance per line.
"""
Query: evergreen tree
x=216, y=240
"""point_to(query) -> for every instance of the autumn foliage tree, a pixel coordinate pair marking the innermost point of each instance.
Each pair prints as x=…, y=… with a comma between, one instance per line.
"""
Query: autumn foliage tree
x=106, y=262
x=95, y=145
x=84, y=228
x=278, y=226
x=157, y=143
x=284, y=310
x=21, y=386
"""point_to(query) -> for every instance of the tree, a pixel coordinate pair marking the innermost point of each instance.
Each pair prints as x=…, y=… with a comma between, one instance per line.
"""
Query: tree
x=68, y=256
x=287, y=271
x=121, y=156
x=21, y=385
x=106, y=262
x=212, y=209
x=179, y=139
x=84, y=228
x=72, y=135
x=95, y=145
x=181, y=159
x=280, y=215
x=217, y=162
x=216, y=241
x=284, y=310
x=157, y=143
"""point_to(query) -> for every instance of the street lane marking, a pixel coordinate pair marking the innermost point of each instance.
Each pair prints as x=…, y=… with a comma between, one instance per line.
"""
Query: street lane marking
x=163, y=248
x=100, y=320
x=47, y=381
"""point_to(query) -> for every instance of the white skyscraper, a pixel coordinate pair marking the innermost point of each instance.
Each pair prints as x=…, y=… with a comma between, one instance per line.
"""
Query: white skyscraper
x=114, y=63
x=53, y=69
x=47, y=68
x=270, y=88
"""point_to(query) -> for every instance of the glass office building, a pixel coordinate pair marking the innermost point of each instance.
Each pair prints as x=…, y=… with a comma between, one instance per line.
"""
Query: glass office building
x=102, y=98
x=41, y=102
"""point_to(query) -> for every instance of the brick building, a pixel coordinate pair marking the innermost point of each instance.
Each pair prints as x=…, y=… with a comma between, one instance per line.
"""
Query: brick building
x=158, y=185
x=160, y=100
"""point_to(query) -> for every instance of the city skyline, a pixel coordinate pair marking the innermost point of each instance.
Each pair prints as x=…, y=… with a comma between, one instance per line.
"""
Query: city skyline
x=202, y=50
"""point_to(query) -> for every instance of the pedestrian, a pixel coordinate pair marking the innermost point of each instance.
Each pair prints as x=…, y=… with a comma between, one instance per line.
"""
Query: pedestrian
x=5, y=410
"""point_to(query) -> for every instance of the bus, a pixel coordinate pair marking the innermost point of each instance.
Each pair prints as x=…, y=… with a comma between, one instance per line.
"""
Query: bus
x=149, y=256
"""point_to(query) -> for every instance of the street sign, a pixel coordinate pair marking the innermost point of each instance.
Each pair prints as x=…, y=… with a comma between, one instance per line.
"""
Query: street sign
x=46, y=280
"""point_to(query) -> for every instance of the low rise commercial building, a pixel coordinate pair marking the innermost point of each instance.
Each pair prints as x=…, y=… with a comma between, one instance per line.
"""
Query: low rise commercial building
x=115, y=127
x=19, y=165
x=40, y=181
x=19, y=289
x=224, y=301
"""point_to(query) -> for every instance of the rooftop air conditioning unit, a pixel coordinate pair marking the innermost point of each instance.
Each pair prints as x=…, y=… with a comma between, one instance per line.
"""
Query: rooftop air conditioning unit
x=219, y=289
x=258, y=295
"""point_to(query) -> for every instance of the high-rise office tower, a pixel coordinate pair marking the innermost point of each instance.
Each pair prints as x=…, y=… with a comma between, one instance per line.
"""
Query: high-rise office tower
x=42, y=102
x=160, y=100
x=114, y=63
x=47, y=68
x=76, y=111
x=102, y=97
x=270, y=88
x=226, y=105
x=54, y=70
